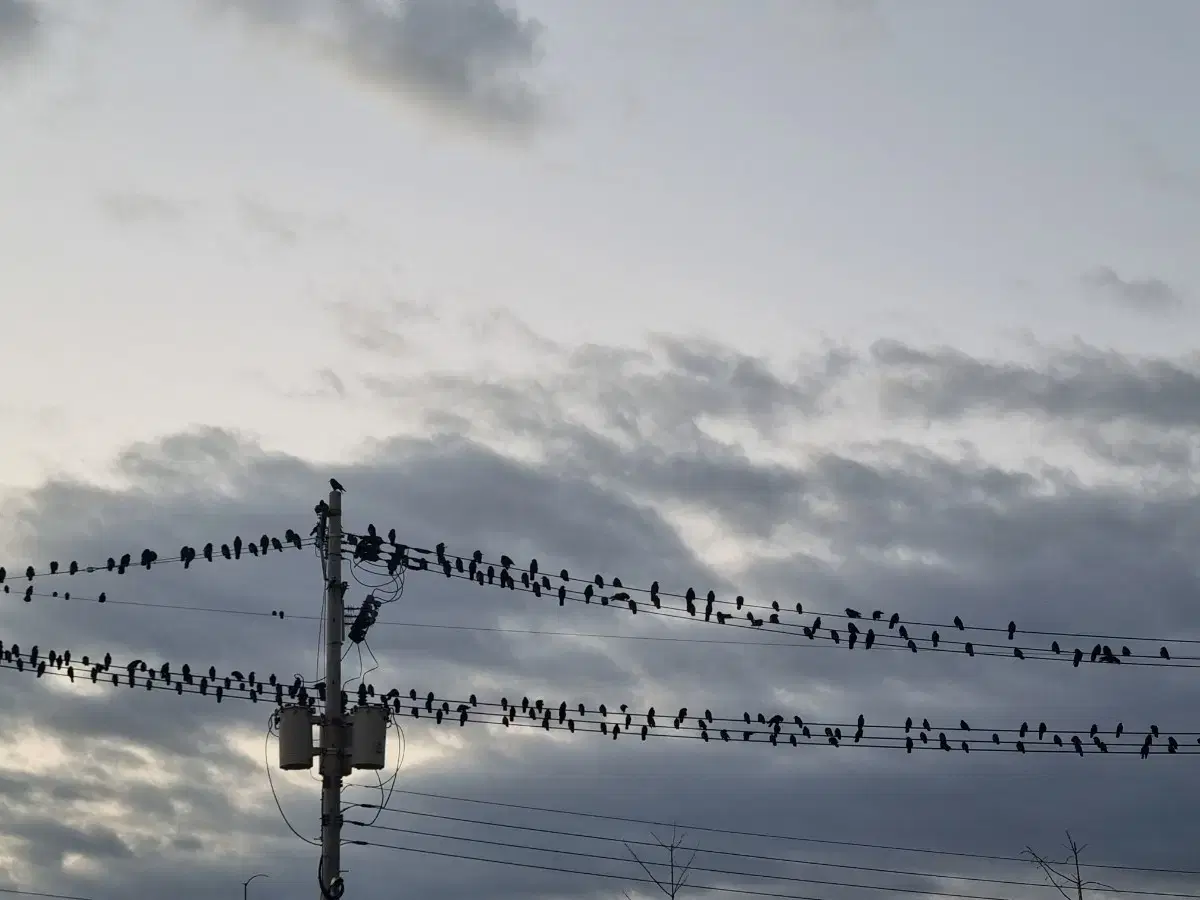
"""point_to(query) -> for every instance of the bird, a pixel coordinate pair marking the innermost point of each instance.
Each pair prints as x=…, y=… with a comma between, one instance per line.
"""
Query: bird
x=336, y=485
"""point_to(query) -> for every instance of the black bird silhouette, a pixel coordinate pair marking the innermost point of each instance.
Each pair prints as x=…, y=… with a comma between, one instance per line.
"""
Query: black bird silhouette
x=958, y=623
x=336, y=485
x=1012, y=629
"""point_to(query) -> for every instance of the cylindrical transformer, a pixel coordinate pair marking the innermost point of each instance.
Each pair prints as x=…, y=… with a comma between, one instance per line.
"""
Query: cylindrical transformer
x=368, y=741
x=295, y=738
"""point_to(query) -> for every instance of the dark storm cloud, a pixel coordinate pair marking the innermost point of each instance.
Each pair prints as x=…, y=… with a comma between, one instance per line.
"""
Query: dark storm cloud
x=1081, y=384
x=1145, y=295
x=463, y=58
x=890, y=526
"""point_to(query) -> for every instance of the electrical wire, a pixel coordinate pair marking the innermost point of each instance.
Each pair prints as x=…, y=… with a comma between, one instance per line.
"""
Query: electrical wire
x=423, y=558
x=882, y=641
x=1136, y=660
x=608, y=876
x=759, y=835
x=751, y=856
x=385, y=796
x=492, y=713
x=271, y=783
x=19, y=893
x=730, y=873
x=186, y=556
x=483, y=629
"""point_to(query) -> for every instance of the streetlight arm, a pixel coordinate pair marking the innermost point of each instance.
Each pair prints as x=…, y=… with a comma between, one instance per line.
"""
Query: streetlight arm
x=246, y=883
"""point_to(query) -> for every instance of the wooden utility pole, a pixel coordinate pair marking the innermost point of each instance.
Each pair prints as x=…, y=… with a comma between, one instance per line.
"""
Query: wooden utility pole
x=333, y=723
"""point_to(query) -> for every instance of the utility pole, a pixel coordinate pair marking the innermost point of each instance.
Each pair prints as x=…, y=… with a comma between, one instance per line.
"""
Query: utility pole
x=333, y=724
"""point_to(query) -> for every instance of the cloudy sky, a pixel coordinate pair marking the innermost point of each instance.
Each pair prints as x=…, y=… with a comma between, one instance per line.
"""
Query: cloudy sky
x=859, y=304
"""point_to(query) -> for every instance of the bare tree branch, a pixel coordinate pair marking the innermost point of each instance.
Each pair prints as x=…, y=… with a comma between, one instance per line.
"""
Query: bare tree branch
x=1071, y=886
x=1053, y=876
x=646, y=869
x=678, y=871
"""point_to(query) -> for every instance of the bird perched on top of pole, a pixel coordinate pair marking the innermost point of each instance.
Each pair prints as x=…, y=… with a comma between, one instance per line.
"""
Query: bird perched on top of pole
x=336, y=485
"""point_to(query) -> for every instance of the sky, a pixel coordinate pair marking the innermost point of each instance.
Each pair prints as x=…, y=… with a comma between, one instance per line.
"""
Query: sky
x=868, y=305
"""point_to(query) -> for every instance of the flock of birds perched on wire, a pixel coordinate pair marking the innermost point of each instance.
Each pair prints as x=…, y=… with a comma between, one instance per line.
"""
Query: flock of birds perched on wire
x=855, y=629
x=607, y=720
x=851, y=628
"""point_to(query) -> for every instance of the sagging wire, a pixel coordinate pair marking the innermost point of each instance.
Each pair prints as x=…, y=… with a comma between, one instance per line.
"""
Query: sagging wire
x=272, y=721
x=375, y=659
x=386, y=788
x=387, y=582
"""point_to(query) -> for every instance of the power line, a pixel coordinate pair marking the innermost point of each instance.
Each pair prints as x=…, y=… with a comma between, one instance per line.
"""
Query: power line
x=148, y=558
x=882, y=641
x=104, y=599
x=872, y=641
x=727, y=873
x=20, y=893
x=709, y=829
x=231, y=686
x=568, y=871
x=280, y=614
x=752, y=856
x=442, y=556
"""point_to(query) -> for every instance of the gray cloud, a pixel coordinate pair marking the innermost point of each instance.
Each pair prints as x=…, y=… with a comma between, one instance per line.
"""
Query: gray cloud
x=383, y=327
x=618, y=454
x=1078, y=384
x=268, y=220
x=466, y=59
x=19, y=22
x=1145, y=295
x=135, y=207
